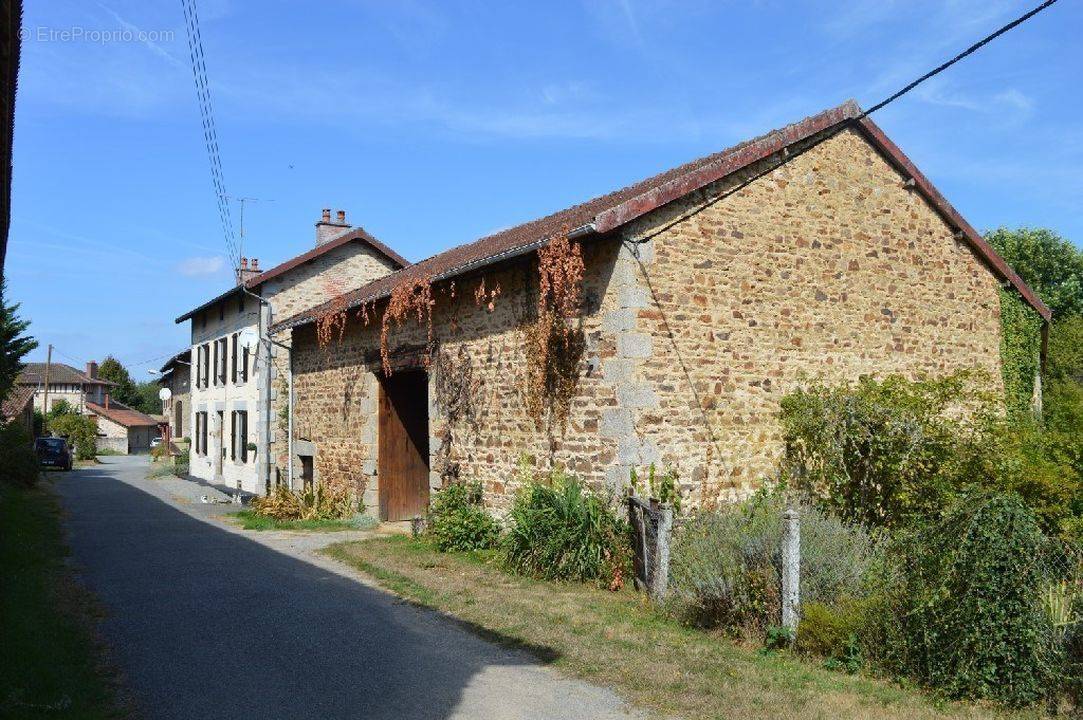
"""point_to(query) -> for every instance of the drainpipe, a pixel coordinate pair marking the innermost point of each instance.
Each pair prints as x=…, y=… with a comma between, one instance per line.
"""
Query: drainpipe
x=289, y=400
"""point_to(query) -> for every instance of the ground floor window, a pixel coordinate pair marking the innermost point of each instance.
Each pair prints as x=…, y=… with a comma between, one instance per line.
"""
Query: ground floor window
x=239, y=436
x=201, y=433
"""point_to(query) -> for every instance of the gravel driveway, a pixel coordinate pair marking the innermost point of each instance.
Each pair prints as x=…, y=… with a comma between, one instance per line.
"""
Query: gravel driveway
x=207, y=621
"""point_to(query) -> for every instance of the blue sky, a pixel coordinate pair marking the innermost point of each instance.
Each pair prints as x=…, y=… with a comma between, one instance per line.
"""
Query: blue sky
x=432, y=124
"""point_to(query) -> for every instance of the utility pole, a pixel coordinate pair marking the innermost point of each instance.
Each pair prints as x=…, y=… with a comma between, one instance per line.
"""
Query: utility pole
x=45, y=402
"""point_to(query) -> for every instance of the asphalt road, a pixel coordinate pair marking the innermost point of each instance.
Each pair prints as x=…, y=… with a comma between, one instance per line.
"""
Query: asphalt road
x=204, y=622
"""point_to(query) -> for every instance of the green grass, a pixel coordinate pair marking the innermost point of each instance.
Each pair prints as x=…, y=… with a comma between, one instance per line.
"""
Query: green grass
x=618, y=640
x=250, y=520
x=50, y=662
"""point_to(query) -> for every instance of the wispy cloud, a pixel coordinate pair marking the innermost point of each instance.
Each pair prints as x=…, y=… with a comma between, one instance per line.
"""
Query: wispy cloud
x=200, y=266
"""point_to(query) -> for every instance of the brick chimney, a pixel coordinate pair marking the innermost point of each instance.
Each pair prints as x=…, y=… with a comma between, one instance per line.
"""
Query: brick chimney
x=326, y=230
x=246, y=272
x=107, y=401
x=92, y=369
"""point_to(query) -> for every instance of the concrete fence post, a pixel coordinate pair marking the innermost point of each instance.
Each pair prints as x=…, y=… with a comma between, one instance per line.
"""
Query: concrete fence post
x=660, y=575
x=791, y=569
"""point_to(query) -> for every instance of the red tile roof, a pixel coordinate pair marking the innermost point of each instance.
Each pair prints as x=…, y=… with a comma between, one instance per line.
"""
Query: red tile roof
x=121, y=414
x=609, y=212
x=356, y=234
x=16, y=401
x=34, y=374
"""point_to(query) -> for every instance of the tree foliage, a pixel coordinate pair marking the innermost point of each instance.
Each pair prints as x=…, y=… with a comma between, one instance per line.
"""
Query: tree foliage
x=1047, y=262
x=895, y=452
x=14, y=343
x=966, y=616
x=112, y=370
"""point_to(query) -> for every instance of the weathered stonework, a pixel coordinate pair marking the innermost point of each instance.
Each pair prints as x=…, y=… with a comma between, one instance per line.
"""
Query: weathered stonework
x=697, y=323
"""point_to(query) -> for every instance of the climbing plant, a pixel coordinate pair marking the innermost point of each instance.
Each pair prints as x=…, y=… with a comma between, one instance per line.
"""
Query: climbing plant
x=413, y=297
x=1020, y=347
x=554, y=345
x=331, y=321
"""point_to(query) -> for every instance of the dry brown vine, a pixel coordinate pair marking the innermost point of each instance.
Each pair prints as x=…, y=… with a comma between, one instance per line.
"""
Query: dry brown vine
x=331, y=320
x=555, y=346
x=407, y=298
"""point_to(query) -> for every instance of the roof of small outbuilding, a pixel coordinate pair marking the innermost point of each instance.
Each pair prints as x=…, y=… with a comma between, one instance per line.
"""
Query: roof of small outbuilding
x=608, y=212
x=122, y=414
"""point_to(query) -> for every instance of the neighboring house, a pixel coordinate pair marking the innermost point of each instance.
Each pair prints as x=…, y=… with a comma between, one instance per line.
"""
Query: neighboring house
x=65, y=383
x=233, y=389
x=710, y=291
x=176, y=375
x=18, y=407
x=121, y=428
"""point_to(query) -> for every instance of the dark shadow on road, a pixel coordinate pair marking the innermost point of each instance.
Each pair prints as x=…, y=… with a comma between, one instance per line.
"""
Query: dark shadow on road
x=209, y=624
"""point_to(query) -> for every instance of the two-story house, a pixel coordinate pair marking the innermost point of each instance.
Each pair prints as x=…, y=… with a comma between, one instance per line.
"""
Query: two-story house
x=64, y=383
x=176, y=375
x=237, y=394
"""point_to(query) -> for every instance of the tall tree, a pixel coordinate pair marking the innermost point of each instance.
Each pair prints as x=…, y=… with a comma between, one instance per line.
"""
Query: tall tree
x=14, y=344
x=112, y=370
x=1047, y=262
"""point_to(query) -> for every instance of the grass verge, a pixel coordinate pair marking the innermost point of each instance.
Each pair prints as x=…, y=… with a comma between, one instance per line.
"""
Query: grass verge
x=617, y=640
x=250, y=520
x=51, y=663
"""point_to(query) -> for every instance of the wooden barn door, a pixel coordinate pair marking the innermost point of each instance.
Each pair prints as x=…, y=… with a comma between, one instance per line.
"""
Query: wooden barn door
x=404, y=445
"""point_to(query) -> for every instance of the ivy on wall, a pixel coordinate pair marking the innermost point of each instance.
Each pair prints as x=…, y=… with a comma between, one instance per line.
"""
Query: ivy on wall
x=1020, y=349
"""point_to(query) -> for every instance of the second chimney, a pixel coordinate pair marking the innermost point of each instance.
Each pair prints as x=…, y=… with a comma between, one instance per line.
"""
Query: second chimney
x=245, y=272
x=327, y=230
x=92, y=369
x=107, y=401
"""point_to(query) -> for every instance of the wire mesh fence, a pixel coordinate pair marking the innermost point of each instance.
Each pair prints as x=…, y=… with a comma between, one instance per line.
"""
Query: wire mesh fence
x=934, y=604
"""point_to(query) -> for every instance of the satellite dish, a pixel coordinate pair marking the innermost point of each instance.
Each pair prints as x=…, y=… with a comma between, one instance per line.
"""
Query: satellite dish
x=248, y=338
x=165, y=394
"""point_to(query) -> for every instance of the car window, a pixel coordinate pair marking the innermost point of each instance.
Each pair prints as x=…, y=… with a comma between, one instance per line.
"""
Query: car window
x=51, y=443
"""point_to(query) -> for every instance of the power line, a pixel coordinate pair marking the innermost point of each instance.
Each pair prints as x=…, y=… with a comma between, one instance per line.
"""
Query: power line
x=210, y=134
x=969, y=51
x=793, y=155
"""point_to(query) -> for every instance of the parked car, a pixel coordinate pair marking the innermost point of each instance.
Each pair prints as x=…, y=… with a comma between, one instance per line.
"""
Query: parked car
x=53, y=452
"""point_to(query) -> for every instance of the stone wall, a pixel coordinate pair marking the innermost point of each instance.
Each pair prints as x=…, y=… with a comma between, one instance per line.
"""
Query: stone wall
x=827, y=267
x=337, y=271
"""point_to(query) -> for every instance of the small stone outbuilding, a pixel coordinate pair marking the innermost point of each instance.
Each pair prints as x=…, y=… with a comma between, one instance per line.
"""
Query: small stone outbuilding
x=121, y=428
x=709, y=291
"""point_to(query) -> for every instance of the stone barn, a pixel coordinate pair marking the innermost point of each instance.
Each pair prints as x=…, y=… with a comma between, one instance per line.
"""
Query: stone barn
x=661, y=323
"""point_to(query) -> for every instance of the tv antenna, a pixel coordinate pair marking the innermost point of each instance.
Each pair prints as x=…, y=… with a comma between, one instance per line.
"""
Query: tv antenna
x=241, y=201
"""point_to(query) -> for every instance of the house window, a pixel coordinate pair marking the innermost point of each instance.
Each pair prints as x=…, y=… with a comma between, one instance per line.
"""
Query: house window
x=220, y=360
x=244, y=364
x=206, y=364
x=201, y=433
x=239, y=436
x=233, y=358
x=307, y=473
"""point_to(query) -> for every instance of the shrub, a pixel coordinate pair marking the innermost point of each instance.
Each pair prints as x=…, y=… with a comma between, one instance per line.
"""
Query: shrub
x=318, y=502
x=458, y=519
x=966, y=616
x=562, y=530
x=180, y=464
x=896, y=452
x=18, y=461
x=80, y=431
x=833, y=632
x=725, y=565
